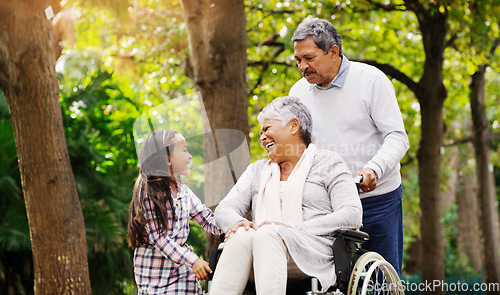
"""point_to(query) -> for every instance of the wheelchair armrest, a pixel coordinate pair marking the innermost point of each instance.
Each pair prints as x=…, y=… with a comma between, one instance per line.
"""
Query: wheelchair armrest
x=214, y=255
x=352, y=235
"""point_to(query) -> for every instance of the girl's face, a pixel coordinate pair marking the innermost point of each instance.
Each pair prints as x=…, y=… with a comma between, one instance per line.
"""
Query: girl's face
x=180, y=159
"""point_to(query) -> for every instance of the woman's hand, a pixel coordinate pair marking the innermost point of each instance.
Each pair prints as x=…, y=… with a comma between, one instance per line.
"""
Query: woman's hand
x=273, y=222
x=201, y=269
x=242, y=223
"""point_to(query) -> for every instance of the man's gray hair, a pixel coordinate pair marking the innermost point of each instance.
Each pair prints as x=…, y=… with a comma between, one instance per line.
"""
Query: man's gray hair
x=285, y=109
x=324, y=34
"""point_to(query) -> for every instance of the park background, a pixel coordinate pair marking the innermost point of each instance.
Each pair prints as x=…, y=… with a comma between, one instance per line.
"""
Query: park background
x=72, y=86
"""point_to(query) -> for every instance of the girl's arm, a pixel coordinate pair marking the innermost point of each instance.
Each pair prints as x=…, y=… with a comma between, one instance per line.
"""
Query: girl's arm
x=201, y=214
x=238, y=202
x=161, y=241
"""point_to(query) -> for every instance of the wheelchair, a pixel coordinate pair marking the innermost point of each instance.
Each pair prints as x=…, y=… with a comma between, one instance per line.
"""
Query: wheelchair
x=359, y=272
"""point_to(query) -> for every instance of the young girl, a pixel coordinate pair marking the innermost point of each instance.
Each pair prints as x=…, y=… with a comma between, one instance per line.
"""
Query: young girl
x=159, y=219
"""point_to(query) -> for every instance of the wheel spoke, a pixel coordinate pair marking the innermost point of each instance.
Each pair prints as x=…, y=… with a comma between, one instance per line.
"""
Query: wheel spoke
x=373, y=275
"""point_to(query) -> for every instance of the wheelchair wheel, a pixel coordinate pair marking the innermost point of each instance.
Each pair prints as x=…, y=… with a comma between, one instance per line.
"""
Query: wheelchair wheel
x=373, y=275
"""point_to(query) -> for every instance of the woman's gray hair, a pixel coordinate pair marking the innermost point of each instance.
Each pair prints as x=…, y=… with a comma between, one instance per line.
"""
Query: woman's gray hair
x=324, y=34
x=285, y=109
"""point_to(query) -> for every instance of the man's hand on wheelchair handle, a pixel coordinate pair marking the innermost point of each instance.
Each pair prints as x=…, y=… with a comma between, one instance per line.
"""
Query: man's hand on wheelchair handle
x=369, y=182
x=201, y=269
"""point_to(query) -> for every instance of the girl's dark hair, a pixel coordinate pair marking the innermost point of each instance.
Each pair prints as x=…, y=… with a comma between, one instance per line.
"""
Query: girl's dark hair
x=154, y=181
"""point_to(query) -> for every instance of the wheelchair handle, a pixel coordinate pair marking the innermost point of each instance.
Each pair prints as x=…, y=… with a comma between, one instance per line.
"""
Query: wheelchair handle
x=358, y=180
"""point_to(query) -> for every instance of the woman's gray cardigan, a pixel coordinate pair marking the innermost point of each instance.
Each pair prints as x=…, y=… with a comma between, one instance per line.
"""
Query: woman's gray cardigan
x=330, y=201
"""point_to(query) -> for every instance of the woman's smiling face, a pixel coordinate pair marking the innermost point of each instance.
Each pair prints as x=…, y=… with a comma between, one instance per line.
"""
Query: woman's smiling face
x=275, y=138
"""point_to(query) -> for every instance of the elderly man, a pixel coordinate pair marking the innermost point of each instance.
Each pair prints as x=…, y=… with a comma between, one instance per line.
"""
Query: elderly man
x=355, y=113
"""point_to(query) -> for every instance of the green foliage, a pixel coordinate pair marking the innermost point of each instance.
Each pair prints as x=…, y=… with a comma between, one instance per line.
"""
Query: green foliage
x=13, y=214
x=98, y=116
x=411, y=206
x=15, y=245
x=456, y=262
x=129, y=60
x=272, y=70
x=197, y=239
x=388, y=35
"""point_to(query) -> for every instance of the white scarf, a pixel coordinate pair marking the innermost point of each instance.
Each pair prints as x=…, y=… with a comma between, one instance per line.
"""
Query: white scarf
x=289, y=211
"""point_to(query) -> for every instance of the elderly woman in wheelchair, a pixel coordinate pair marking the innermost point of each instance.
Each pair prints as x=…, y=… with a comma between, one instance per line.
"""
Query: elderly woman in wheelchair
x=298, y=199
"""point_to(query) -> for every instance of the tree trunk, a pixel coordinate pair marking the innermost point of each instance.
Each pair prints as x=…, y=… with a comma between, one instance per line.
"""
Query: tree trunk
x=218, y=63
x=429, y=159
x=486, y=194
x=414, y=257
x=431, y=95
x=469, y=238
x=29, y=83
x=449, y=193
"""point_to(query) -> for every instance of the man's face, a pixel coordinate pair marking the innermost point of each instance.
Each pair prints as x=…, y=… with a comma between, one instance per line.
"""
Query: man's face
x=316, y=66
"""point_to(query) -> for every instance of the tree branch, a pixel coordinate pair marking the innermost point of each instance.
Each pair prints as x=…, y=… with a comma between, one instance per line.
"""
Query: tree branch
x=385, y=7
x=272, y=11
x=262, y=63
x=458, y=141
x=420, y=11
x=493, y=136
x=395, y=73
x=409, y=160
x=495, y=45
x=451, y=42
x=265, y=64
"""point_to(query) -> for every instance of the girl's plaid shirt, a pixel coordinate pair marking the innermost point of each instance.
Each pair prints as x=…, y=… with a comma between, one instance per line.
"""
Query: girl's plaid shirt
x=168, y=260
